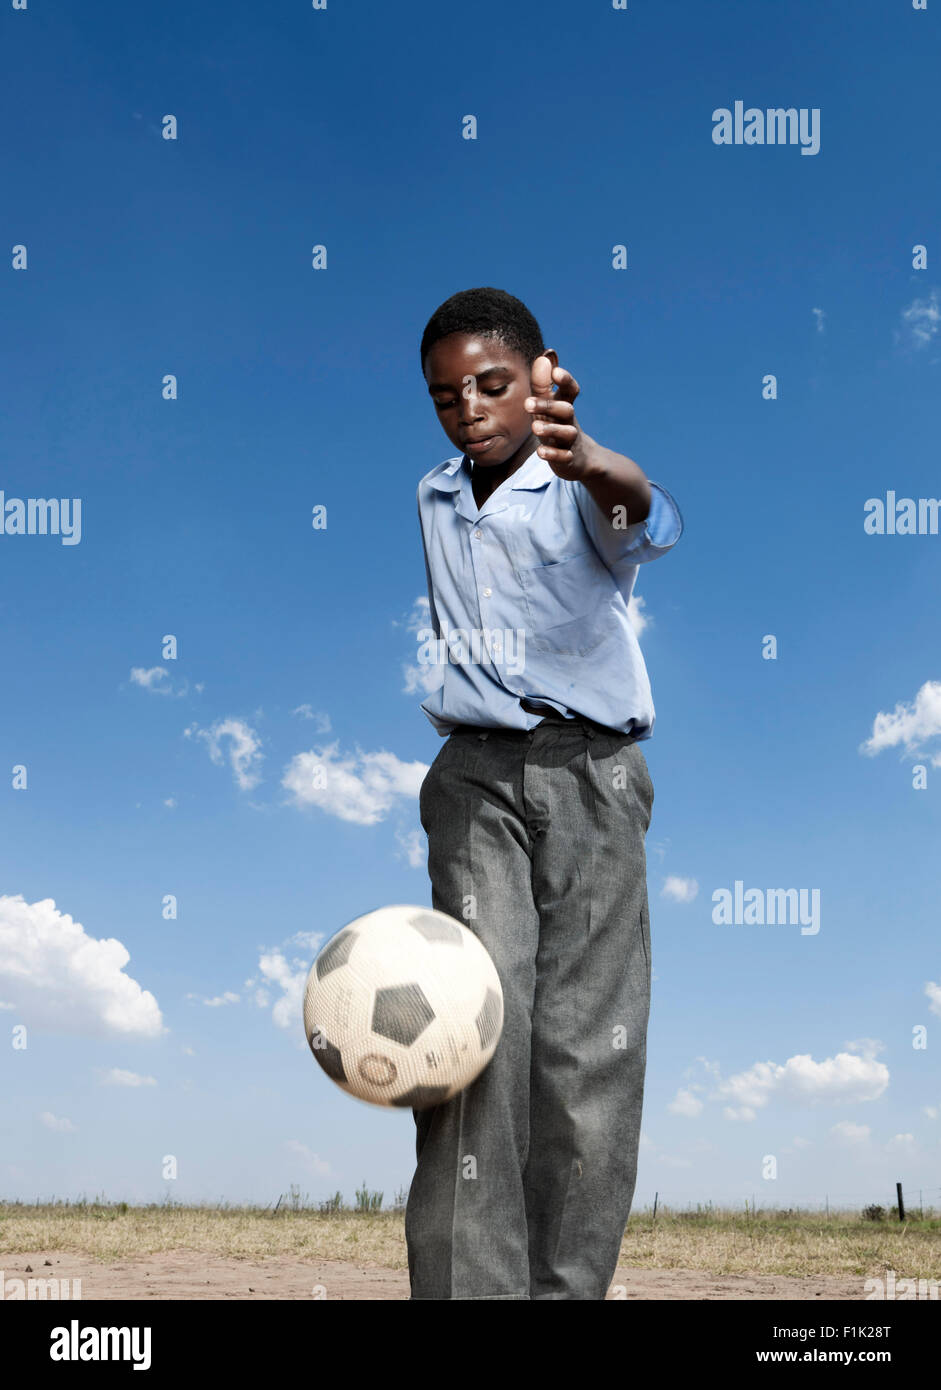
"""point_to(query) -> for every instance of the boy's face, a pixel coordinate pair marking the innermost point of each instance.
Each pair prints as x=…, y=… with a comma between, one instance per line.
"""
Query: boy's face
x=485, y=417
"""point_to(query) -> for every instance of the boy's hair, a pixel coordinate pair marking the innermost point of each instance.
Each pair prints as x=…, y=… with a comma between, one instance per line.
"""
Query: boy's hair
x=485, y=312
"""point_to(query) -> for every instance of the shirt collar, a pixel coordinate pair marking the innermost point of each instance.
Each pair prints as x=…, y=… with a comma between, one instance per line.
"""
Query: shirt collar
x=535, y=473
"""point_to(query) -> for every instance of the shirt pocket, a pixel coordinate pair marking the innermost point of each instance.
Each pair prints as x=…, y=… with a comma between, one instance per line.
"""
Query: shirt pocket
x=568, y=602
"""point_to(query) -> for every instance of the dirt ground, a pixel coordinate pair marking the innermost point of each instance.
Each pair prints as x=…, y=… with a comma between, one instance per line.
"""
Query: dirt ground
x=179, y=1274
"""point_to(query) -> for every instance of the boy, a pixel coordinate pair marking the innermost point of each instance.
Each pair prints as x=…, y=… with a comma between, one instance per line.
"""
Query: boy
x=536, y=809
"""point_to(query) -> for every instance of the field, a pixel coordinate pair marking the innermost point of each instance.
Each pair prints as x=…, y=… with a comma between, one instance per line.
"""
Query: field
x=172, y=1251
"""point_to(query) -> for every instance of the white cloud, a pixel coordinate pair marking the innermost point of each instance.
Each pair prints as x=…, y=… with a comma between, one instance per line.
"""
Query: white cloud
x=217, y=1001
x=908, y=725
x=681, y=890
x=933, y=992
x=154, y=678
x=421, y=676
x=932, y=1111
x=800, y=1143
x=841, y=1080
x=308, y=712
x=821, y=318
x=361, y=788
x=685, y=1103
x=920, y=321
x=281, y=970
x=158, y=681
x=850, y=1133
x=171, y=802
x=902, y=1143
x=60, y=1125
x=117, y=1077
x=418, y=616
x=65, y=981
x=310, y=940
x=290, y=977
x=244, y=749
x=422, y=679
x=413, y=848
x=314, y=1163
x=866, y=1047
x=639, y=620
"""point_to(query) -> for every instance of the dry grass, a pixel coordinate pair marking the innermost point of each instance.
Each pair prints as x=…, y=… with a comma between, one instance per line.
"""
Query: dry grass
x=712, y=1240
x=784, y=1242
x=111, y=1232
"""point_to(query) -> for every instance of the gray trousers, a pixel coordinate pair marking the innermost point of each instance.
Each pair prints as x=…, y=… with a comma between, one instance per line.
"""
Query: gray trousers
x=524, y=1181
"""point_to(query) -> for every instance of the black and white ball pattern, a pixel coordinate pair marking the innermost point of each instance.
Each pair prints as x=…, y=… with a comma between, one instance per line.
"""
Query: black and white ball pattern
x=403, y=1007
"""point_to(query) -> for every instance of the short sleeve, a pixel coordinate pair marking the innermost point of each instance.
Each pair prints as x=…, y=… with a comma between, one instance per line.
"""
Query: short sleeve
x=432, y=611
x=645, y=540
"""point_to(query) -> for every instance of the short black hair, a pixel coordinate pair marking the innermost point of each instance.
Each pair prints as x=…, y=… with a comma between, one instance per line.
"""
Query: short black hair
x=488, y=313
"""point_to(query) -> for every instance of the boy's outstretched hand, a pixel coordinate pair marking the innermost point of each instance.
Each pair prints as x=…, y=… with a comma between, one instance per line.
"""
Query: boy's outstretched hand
x=561, y=442
x=620, y=488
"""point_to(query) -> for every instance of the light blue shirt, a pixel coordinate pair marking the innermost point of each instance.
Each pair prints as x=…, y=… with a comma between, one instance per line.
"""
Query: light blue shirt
x=528, y=598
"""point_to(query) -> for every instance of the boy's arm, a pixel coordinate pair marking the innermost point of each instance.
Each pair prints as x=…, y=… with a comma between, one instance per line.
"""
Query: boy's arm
x=614, y=482
x=627, y=516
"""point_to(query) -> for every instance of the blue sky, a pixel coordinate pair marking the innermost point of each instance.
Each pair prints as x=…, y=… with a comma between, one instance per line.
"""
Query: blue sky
x=298, y=387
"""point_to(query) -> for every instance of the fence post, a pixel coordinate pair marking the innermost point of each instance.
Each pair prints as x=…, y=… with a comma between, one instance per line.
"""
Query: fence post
x=655, y=1196
x=898, y=1191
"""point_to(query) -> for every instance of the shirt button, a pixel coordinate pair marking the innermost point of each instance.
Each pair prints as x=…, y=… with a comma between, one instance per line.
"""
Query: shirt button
x=487, y=593
x=478, y=534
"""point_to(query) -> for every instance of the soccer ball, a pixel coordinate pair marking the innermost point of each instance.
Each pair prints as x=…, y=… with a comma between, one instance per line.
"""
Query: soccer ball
x=403, y=1007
